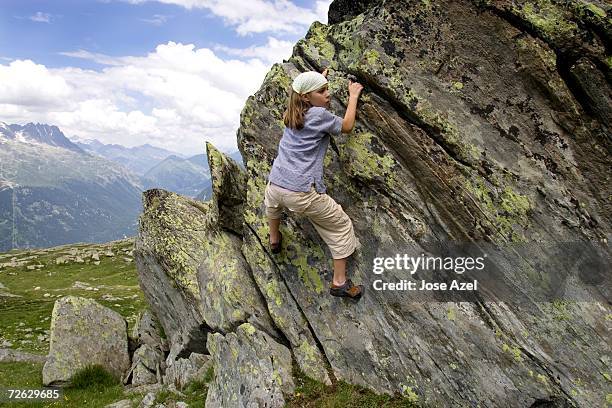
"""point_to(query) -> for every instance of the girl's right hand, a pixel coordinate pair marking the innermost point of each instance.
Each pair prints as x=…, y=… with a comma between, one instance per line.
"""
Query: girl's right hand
x=354, y=89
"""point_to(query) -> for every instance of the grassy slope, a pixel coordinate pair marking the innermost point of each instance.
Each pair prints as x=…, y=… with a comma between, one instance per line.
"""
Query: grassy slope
x=25, y=320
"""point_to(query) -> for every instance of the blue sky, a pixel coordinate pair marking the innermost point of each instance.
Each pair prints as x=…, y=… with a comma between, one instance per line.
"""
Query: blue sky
x=171, y=73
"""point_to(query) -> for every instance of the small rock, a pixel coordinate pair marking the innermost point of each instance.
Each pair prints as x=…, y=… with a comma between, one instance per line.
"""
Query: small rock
x=9, y=355
x=31, y=267
x=147, y=401
x=97, y=263
x=126, y=403
x=47, y=295
x=37, y=288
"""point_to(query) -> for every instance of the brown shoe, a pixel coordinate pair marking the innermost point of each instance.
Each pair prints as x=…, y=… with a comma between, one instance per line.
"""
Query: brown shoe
x=347, y=290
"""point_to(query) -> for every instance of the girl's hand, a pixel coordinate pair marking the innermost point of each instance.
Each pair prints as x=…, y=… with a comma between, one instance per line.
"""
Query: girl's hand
x=354, y=89
x=324, y=73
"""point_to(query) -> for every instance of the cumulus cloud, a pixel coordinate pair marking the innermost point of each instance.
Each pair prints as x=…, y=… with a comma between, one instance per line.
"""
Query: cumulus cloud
x=258, y=16
x=176, y=97
x=30, y=84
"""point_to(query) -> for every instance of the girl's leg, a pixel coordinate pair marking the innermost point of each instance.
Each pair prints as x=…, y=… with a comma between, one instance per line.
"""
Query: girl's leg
x=272, y=200
x=339, y=272
x=274, y=224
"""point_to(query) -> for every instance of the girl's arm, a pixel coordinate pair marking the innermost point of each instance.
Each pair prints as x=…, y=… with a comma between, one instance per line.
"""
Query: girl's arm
x=349, y=117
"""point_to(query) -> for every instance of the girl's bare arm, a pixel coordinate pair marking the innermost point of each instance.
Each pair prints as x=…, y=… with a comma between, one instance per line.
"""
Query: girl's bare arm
x=349, y=117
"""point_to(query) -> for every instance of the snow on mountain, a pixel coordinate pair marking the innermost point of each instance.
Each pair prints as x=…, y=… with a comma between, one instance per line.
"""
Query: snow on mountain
x=32, y=133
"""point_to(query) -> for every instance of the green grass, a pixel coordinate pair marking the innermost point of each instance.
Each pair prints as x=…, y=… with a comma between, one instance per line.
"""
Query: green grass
x=25, y=320
x=29, y=375
x=310, y=394
x=93, y=376
x=195, y=394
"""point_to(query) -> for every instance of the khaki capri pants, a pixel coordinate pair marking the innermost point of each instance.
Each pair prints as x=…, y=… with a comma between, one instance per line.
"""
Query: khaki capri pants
x=327, y=216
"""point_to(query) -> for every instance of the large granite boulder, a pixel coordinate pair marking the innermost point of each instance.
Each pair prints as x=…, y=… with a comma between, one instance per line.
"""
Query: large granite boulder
x=483, y=127
x=83, y=333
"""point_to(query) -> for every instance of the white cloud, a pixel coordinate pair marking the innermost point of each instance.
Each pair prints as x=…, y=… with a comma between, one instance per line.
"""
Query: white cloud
x=258, y=16
x=175, y=97
x=29, y=84
x=157, y=19
x=41, y=17
x=274, y=51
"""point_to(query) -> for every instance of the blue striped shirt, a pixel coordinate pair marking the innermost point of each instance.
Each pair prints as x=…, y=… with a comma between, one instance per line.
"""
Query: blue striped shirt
x=299, y=162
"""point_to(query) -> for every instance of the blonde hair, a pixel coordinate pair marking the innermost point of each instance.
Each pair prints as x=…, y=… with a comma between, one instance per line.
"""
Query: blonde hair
x=296, y=108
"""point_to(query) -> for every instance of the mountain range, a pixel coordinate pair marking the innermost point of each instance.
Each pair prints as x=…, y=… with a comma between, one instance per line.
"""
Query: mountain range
x=52, y=192
x=55, y=191
x=156, y=167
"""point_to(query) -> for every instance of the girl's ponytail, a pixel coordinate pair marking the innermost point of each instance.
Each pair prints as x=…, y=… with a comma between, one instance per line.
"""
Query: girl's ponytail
x=294, y=115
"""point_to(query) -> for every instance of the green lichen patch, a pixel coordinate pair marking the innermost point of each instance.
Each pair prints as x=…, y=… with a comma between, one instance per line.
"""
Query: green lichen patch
x=552, y=21
x=316, y=44
x=506, y=211
x=361, y=161
x=301, y=256
x=514, y=351
x=598, y=11
x=176, y=229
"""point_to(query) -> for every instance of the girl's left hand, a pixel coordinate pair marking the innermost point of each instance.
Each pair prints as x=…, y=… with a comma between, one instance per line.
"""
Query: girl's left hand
x=324, y=73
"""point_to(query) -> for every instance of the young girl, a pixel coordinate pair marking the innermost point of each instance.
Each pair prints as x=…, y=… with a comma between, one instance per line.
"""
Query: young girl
x=296, y=178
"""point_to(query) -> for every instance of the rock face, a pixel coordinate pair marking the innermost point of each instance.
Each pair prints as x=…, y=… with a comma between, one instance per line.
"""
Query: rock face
x=254, y=369
x=83, y=332
x=482, y=123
